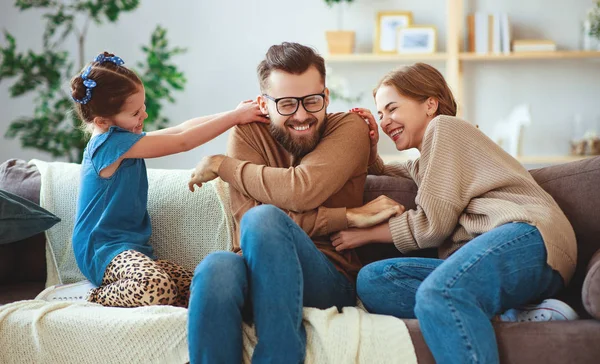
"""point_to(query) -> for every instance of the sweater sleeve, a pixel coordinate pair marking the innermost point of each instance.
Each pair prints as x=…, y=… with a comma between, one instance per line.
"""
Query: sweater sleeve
x=392, y=169
x=427, y=226
x=340, y=153
x=316, y=222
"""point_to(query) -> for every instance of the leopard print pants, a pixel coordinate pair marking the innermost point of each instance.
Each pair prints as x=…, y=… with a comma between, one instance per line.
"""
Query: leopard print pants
x=132, y=279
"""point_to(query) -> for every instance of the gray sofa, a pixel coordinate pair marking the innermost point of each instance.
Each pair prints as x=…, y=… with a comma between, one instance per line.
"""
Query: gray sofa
x=575, y=186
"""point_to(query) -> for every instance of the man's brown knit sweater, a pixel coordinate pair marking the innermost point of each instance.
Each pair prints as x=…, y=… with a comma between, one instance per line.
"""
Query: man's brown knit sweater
x=467, y=186
x=314, y=191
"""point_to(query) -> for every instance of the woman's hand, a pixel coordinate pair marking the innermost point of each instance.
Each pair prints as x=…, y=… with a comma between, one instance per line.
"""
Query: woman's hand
x=373, y=213
x=248, y=112
x=373, y=131
x=353, y=238
x=206, y=170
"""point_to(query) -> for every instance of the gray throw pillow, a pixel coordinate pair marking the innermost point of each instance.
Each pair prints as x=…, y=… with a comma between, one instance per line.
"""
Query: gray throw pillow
x=21, y=218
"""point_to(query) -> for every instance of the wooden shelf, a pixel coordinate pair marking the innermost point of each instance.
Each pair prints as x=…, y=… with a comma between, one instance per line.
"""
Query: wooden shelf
x=403, y=157
x=529, y=55
x=374, y=58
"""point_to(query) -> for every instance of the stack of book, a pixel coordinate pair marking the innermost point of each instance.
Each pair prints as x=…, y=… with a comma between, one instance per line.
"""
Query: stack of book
x=533, y=45
x=488, y=33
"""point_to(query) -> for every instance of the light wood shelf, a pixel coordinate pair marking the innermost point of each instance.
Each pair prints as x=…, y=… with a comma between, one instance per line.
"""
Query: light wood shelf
x=529, y=55
x=558, y=159
x=373, y=57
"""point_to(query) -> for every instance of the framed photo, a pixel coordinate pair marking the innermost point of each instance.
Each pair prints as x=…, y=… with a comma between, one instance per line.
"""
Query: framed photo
x=386, y=33
x=417, y=39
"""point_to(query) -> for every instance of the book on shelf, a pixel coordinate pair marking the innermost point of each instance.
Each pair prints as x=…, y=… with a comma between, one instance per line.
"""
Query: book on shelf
x=488, y=33
x=533, y=45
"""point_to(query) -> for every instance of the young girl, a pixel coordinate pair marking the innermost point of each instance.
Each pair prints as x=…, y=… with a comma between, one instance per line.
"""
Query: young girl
x=112, y=226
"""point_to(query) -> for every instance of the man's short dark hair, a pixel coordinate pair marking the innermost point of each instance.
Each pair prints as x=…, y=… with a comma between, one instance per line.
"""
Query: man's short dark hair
x=289, y=57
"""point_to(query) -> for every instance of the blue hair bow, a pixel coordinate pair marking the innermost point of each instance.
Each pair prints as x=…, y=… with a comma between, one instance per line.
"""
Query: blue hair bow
x=88, y=82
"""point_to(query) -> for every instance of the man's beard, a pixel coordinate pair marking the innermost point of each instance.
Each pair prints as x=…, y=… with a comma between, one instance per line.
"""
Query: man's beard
x=298, y=146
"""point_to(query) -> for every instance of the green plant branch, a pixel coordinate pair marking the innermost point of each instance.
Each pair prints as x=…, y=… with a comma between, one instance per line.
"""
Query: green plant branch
x=54, y=126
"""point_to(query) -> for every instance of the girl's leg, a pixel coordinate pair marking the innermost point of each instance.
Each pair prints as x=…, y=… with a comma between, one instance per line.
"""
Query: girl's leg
x=131, y=280
x=389, y=287
x=182, y=279
x=503, y=268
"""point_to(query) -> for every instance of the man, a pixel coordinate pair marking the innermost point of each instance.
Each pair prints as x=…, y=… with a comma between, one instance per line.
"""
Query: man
x=313, y=166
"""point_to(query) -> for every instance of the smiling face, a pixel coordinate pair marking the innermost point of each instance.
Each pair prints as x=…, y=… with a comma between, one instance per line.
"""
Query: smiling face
x=403, y=119
x=300, y=132
x=133, y=113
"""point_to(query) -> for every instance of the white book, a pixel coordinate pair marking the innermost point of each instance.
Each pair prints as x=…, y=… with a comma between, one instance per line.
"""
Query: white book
x=534, y=48
x=482, y=33
x=497, y=35
x=506, y=33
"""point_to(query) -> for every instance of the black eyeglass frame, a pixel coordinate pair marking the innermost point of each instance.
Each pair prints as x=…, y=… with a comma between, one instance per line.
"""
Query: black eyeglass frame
x=300, y=100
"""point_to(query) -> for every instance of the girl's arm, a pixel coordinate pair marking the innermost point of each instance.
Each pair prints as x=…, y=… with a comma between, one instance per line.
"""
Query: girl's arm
x=185, y=125
x=196, y=134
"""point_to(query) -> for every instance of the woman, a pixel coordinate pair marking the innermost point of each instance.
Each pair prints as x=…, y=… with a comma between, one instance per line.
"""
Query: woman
x=502, y=240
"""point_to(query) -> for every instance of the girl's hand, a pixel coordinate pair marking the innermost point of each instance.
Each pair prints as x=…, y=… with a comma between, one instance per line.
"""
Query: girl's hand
x=373, y=213
x=353, y=238
x=248, y=112
x=373, y=131
x=205, y=171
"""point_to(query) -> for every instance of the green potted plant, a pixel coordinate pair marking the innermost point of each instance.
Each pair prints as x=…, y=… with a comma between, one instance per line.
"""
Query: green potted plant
x=54, y=127
x=591, y=28
x=340, y=41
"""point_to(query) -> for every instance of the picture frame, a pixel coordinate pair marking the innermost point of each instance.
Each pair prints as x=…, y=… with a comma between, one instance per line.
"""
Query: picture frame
x=386, y=30
x=417, y=39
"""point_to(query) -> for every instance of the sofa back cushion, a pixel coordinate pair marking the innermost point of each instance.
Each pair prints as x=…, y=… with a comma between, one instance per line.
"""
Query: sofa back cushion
x=575, y=186
x=22, y=260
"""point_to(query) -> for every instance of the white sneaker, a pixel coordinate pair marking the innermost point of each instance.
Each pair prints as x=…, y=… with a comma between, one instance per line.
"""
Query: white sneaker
x=74, y=292
x=548, y=310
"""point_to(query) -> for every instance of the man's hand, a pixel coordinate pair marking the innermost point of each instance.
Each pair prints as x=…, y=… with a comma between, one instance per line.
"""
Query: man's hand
x=353, y=238
x=373, y=213
x=206, y=170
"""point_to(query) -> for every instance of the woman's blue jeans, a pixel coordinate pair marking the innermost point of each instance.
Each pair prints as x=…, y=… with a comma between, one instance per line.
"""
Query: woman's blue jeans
x=455, y=299
x=281, y=271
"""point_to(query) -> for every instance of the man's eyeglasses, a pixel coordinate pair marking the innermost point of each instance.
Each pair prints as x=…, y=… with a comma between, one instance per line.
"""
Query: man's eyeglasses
x=287, y=106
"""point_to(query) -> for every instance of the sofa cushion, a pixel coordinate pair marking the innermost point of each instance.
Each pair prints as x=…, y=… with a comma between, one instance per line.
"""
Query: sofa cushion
x=21, y=178
x=23, y=260
x=590, y=294
x=574, y=186
x=21, y=218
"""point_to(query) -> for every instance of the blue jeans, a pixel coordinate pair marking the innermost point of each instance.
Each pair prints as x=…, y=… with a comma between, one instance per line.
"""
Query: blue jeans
x=455, y=299
x=280, y=272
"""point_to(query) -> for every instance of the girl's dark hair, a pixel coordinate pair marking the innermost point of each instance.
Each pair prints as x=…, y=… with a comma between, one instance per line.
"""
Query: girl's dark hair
x=420, y=82
x=114, y=84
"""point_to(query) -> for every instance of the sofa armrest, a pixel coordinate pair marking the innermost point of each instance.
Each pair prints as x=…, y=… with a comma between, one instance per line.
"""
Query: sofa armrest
x=590, y=294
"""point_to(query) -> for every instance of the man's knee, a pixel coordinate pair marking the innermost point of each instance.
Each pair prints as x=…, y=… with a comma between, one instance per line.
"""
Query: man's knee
x=261, y=215
x=264, y=228
x=220, y=274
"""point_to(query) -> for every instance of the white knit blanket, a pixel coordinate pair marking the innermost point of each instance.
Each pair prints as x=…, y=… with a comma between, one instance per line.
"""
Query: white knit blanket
x=186, y=227
x=85, y=333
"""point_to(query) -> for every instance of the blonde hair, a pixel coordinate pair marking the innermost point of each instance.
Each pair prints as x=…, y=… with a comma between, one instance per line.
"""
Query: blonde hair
x=420, y=82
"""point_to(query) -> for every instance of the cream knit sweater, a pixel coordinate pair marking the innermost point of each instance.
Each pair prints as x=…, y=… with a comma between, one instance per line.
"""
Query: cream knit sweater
x=468, y=185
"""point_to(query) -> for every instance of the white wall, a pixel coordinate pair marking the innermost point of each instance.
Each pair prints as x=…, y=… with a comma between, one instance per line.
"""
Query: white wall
x=227, y=39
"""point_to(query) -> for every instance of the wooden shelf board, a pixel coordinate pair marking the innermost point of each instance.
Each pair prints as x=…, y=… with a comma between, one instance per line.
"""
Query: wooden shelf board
x=373, y=57
x=529, y=55
x=399, y=157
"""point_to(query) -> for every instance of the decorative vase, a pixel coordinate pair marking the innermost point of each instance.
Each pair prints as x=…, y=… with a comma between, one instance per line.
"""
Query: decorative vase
x=340, y=41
